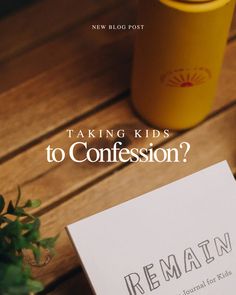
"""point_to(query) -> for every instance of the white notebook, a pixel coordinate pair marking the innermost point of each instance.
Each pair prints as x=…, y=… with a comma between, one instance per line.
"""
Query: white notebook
x=177, y=240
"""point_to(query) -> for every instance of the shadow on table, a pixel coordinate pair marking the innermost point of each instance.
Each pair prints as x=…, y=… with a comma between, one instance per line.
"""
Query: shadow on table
x=76, y=284
x=10, y=6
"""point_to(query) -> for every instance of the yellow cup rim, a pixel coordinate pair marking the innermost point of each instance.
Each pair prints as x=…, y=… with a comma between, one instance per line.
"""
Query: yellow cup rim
x=195, y=5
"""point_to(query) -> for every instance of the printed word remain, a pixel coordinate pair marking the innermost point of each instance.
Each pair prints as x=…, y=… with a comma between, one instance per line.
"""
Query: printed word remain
x=148, y=280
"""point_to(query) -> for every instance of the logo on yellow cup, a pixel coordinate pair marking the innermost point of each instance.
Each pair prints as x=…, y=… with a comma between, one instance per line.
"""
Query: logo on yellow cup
x=186, y=77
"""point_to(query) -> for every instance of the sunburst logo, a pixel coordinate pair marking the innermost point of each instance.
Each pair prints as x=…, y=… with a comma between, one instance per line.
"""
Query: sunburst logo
x=186, y=77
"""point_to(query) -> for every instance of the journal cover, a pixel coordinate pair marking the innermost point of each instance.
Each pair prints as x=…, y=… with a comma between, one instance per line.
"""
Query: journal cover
x=178, y=239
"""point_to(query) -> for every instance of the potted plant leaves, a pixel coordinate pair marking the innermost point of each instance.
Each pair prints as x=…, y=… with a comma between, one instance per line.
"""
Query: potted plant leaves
x=20, y=233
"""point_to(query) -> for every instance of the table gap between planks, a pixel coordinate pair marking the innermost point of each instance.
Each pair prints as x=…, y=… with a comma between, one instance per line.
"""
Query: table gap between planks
x=48, y=85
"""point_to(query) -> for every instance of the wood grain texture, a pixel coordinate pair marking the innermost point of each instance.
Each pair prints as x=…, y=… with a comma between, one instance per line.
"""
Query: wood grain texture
x=55, y=92
x=64, y=93
x=74, y=44
x=211, y=142
x=64, y=87
x=37, y=23
x=66, y=178
x=233, y=26
x=70, y=90
x=10, y=6
x=78, y=283
x=226, y=90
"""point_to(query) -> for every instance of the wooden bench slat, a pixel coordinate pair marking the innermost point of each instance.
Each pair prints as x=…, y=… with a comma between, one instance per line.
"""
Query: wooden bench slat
x=38, y=22
x=66, y=178
x=137, y=179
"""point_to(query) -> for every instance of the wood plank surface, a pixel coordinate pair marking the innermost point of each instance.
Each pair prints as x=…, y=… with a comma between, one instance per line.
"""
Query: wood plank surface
x=64, y=93
x=233, y=26
x=10, y=6
x=66, y=89
x=78, y=283
x=67, y=178
x=59, y=92
x=37, y=23
x=74, y=44
x=211, y=142
x=56, y=89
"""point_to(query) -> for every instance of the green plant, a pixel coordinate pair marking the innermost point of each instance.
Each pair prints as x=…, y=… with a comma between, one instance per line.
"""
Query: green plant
x=19, y=232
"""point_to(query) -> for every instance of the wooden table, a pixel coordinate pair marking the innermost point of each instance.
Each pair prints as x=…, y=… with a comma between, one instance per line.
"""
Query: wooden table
x=56, y=73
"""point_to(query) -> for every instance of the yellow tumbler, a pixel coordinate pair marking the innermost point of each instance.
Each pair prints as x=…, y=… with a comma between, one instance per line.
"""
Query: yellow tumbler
x=178, y=57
